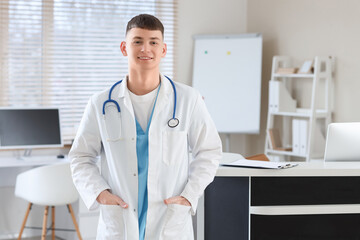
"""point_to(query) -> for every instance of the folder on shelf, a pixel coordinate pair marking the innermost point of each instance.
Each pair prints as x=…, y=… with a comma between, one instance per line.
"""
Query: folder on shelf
x=295, y=136
x=300, y=136
x=280, y=99
x=275, y=140
x=259, y=164
x=303, y=136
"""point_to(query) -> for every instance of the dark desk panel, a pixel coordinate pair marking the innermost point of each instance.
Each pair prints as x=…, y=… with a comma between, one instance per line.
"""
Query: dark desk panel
x=227, y=209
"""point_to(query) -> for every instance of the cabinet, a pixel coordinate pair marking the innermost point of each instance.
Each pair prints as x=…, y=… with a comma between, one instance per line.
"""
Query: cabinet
x=311, y=201
x=299, y=110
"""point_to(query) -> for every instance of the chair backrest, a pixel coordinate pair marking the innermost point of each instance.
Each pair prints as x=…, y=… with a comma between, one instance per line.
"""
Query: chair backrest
x=50, y=185
x=343, y=142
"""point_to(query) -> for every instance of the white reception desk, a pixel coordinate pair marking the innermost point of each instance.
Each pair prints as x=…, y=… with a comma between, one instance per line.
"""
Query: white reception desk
x=314, y=200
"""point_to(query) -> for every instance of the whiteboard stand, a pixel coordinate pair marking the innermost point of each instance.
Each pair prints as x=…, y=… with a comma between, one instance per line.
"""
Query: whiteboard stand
x=227, y=142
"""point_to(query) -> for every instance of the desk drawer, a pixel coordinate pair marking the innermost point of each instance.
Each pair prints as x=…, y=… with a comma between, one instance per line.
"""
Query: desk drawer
x=271, y=191
x=309, y=227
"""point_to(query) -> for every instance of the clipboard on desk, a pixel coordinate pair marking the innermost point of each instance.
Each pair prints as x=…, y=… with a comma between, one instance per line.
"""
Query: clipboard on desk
x=259, y=164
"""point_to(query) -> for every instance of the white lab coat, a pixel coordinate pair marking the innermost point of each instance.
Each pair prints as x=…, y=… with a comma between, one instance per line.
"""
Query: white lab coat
x=171, y=171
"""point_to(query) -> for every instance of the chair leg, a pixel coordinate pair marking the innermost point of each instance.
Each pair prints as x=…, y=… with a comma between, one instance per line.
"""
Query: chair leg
x=43, y=234
x=53, y=222
x=74, y=220
x=24, y=221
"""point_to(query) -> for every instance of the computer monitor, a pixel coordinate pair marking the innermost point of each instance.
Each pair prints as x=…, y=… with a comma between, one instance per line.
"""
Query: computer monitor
x=28, y=128
x=343, y=142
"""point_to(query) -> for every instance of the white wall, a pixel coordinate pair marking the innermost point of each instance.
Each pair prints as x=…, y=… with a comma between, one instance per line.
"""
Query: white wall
x=306, y=28
x=205, y=17
x=298, y=28
x=208, y=17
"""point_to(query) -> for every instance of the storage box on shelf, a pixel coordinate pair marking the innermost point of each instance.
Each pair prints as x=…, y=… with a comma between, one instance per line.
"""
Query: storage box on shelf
x=301, y=125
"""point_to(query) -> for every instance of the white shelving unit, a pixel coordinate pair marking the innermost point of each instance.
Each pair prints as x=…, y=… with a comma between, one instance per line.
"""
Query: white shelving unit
x=317, y=113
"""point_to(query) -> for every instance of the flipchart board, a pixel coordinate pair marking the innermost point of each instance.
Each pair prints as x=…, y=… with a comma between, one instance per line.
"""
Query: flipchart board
x=227, y=72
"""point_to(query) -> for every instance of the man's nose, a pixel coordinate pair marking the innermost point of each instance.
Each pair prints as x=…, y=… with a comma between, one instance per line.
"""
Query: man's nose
x=145, y=47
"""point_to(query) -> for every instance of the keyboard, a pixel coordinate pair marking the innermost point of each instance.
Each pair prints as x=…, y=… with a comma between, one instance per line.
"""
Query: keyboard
x=42, y=158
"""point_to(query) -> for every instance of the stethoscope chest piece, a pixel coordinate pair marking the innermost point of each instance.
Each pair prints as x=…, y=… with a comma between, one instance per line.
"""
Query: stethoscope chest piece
x=173, y=122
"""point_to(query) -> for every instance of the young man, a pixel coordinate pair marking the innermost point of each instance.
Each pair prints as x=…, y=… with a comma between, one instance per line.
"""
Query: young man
x=143, y=128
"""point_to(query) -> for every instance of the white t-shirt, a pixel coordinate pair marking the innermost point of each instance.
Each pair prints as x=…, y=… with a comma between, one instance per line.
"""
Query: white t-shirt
x=143, y=106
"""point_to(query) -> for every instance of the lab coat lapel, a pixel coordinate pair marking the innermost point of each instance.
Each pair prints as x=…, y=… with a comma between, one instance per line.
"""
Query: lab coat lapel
x=164, y=96
x=124, y=97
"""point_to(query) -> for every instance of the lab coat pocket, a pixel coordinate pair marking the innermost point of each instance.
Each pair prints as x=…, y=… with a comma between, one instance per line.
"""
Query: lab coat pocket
x=112, y=119
x=174, y=147
x=177, y=218
x=111, y=223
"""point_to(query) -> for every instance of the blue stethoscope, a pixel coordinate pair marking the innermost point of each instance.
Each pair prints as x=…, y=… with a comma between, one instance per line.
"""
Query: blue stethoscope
x=173, y=122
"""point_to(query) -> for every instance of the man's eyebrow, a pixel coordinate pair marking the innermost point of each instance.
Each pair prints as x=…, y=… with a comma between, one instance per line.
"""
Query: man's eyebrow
x=140, y=38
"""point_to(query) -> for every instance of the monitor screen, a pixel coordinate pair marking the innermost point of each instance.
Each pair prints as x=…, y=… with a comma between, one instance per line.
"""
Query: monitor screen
x=29, y=128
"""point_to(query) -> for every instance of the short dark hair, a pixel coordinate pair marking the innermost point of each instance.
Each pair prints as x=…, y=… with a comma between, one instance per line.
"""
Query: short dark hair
x=145, y=21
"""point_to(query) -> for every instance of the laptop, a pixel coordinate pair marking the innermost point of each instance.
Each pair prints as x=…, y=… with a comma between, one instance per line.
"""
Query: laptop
x=343, y=142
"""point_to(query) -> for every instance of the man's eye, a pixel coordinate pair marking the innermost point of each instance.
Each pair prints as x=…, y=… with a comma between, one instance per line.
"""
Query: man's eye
x=137, y=42
x=153, y=43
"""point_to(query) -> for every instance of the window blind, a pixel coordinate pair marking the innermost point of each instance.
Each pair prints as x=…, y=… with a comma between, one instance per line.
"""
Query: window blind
x=60, y=52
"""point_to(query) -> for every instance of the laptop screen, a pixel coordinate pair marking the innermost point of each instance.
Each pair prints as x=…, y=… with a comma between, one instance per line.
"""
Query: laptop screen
x=343, y=142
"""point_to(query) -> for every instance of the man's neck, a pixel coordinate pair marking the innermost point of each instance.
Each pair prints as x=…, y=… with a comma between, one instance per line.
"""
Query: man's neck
x=141, y=83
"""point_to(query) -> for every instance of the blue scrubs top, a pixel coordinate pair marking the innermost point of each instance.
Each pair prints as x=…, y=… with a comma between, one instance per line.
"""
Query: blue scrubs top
x=142, y=151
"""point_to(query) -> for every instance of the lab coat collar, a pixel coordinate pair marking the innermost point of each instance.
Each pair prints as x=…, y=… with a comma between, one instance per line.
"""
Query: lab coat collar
x=164, y=94
x=123, y=87
x=165, y=89
x=123, y=95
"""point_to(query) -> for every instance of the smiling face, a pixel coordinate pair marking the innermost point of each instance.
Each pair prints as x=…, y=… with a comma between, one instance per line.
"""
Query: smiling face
x=144, y=49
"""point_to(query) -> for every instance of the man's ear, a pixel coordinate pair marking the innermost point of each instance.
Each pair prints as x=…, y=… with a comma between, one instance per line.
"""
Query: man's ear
x=164, y=50
x=123, y=48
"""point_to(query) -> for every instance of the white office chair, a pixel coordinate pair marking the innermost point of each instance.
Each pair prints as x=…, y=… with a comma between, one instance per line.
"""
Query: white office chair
x=48, y=186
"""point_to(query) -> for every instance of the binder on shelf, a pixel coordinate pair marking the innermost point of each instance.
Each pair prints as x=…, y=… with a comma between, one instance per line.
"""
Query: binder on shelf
x=272, y=97
x=275, y=140
x=295, y=136
x=280, y=99
x=303, y=136
x=300, y=133
x=300, y=136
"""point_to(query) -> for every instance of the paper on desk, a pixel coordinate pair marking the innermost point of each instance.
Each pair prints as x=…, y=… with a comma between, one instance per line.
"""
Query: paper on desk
x=259, y=164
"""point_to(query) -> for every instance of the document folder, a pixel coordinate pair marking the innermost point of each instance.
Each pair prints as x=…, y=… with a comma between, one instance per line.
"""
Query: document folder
x=259, y=164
